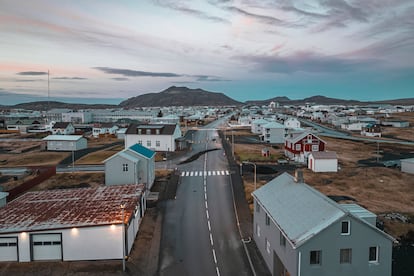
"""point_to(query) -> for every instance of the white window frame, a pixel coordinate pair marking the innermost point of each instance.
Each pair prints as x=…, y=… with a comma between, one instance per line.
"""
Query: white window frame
x=125, y=167
x=268, y=246
x=258, y=230
x=349, y=228
x=376, y=254
x=318, y=257
x=148, y=143
x=315, y=147
x=298, y=147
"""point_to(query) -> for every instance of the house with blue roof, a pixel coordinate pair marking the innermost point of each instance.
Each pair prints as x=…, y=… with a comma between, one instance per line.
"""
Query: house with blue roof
x=300, y=231
x=133, y=165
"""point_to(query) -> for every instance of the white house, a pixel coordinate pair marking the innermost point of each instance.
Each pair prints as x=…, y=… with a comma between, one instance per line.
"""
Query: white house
x=407, y=165
x=65, y=142
x=63, y=128
x=256, y=125
x=133, y=165
x=300, y=231
x=323, y=161
x=83, y=117
x=292, y=122
x=104, y=129
x=157, y=137
x=71, y=224
x=274, y=133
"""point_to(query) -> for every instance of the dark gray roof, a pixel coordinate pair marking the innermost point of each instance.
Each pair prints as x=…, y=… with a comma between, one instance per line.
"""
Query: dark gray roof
x=164, y=129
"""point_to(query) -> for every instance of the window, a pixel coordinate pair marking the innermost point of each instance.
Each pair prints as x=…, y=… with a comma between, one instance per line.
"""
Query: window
x=267, y=246
x=345, y=227
x=124, y=167
x=282, y=240
x=315, y=257
x=149, y=143
x=345, y=256
x=258, y=230
x=148, y=131
x=139, y=131
x=140, y=142
x=315, y=147
x=157, y=143
x=373, y=254
x=267, y=219
x=257, y=207
x=298, y=147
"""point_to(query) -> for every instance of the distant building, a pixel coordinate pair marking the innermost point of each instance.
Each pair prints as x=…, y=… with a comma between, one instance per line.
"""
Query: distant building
x=257, y=125
x=63, y=128
x=104, y=129
x=157, y=137
x=72, y=224
x=273, y=133
x=298, y=146
x=371, y=130
x=292, y=123
x=300, y=231
x=65, y=142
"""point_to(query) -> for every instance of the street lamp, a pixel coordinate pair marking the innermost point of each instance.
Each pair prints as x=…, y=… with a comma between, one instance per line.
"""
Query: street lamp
x=251, y=163
x=123, y=236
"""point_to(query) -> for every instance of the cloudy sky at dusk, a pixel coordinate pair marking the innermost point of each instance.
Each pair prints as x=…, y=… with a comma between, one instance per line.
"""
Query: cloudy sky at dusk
x=247, y=49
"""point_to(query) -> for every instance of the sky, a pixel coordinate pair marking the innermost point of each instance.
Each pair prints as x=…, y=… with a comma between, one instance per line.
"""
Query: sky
x=102, y=51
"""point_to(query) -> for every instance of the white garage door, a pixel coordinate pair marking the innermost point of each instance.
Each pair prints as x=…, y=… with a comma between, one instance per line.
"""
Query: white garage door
x=8, y=249
x=47, y=247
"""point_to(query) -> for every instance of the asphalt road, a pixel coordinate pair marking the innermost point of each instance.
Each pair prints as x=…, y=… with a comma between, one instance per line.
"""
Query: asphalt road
x=200, y=235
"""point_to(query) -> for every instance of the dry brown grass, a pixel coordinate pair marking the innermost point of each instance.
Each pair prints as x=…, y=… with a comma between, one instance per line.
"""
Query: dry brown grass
x=71, y=180
x=98, y=157
x=253, y=152
x=34, y=158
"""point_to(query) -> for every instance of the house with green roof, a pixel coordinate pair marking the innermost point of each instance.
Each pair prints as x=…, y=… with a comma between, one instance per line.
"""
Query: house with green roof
x=133, y=165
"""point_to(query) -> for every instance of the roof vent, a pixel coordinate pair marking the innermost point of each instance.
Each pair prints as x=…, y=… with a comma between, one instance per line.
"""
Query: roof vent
x=299, y=176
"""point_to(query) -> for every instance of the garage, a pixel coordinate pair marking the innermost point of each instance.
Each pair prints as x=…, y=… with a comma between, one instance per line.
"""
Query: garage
x=8, y=249
x=46, y=247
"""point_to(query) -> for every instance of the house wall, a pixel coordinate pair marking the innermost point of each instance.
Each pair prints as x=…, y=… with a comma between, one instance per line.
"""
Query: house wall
x=83, y=243
x=276, y=135
x=322, y=165
x=271, y=232
x=407, y=167
x=167, y=142
x=67, y=145
x=330, y=241
x=115, y=174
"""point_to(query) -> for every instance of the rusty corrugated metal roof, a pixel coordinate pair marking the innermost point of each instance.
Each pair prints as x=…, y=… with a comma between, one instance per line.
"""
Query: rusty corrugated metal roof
x=53, y=209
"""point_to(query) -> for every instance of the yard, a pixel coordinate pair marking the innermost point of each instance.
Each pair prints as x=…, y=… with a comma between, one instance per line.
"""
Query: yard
x=361, y=178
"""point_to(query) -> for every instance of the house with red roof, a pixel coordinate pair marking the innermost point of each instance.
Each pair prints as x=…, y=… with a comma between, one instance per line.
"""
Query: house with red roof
x=298, y=146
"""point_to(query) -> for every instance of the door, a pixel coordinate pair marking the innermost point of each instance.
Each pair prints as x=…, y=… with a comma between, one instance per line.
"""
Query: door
x=46, y=247
x=8, y=249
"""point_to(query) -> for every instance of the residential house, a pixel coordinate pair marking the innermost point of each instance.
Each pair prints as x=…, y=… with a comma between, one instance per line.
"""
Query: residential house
x=299, y=145
x=257, y=125
x=134, y=165
x=63, y=128
x=300, y=231
x=292, y=122
x=65, y=142
x=407, y=165
x=323, y=161
x=157, y=137
x=396, y=123
x=273, y=133
x=371, y=130
x=81, y=117
x=72, y=224
x=104, y=129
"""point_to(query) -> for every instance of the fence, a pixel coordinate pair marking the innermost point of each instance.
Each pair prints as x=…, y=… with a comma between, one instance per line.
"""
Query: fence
x=43, y=174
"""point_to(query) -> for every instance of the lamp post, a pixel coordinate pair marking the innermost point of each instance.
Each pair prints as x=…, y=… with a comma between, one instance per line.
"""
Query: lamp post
x=251, y=163
x=123, y=236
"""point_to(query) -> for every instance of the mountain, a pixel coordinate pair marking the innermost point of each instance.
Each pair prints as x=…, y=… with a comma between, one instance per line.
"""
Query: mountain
x=312, y=100
x=179, y=96
x=45, y=105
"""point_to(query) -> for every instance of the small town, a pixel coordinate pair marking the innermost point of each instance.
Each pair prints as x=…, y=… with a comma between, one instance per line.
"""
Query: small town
x=289, y=188
x=207, y=138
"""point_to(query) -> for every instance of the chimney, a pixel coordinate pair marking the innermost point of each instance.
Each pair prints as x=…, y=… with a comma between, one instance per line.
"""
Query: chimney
x=299, y=176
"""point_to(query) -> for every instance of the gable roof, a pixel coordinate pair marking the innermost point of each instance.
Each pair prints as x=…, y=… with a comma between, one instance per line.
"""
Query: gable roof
x=165, y=129
x=296, y=137
x=323, y=155
x=274, y=125
x=140, y=149
x=300, y=211
x=61, y=125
